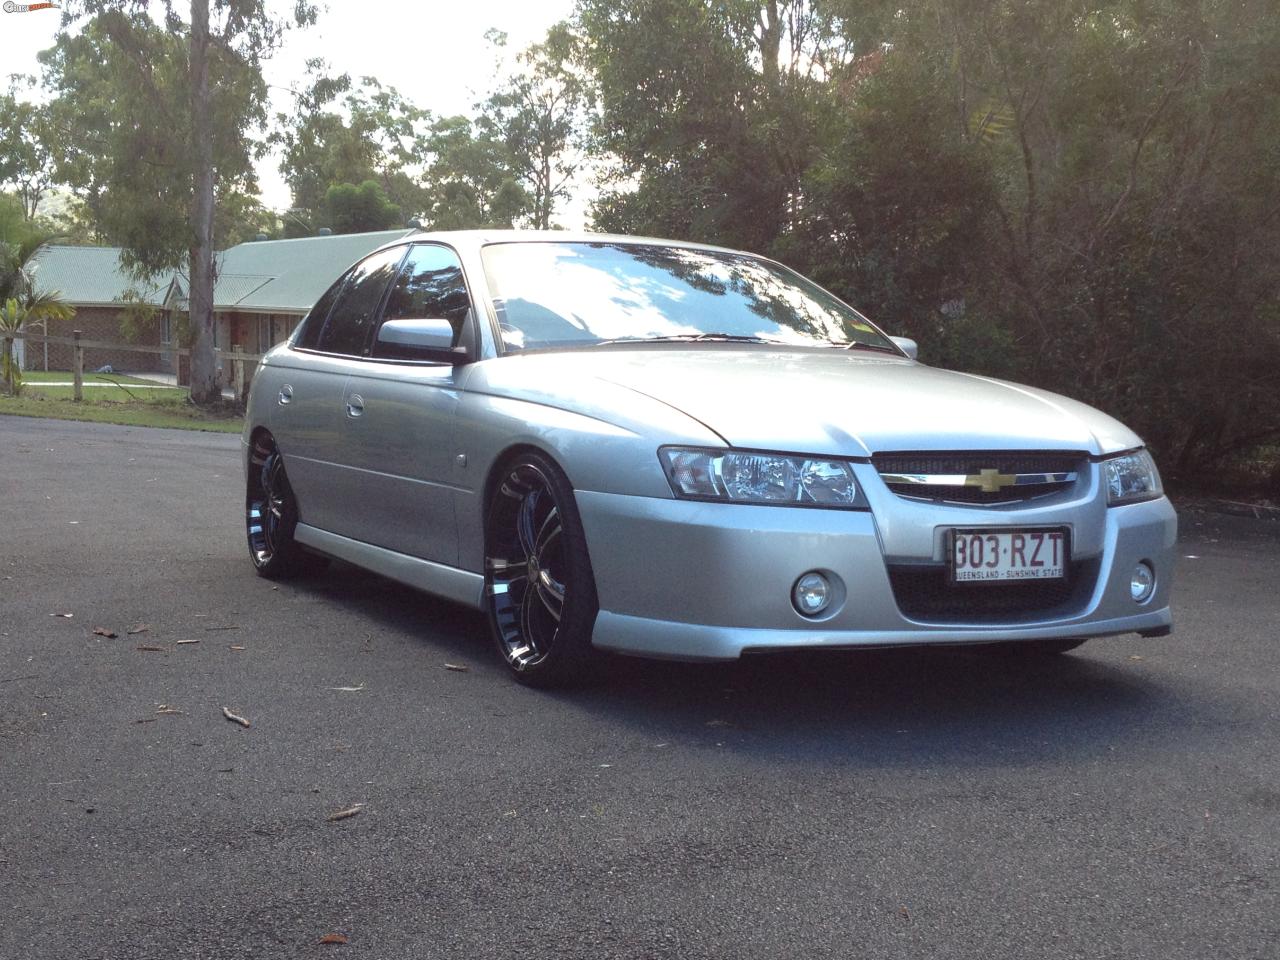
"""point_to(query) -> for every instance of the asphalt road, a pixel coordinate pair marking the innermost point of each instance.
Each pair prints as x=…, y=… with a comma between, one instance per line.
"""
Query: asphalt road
x=1121, y=801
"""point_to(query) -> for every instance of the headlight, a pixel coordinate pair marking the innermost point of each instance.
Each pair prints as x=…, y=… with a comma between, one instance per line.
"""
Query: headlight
x=1131, y=477
x=750, y=477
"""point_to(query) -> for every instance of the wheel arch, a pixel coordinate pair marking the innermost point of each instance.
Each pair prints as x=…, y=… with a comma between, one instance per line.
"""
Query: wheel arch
x=503, y=461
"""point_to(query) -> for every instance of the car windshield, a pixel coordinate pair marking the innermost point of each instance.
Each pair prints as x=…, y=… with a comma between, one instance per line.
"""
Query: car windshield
x=560, y=295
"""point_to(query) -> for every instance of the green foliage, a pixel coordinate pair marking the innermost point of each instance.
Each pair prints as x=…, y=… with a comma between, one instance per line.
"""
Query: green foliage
x=22, y=301
x=136, y=178
x=28, y=148
x=539, y=113
x=470, y=181
x=354, y=209
x=1073, y=193
x=340, y=133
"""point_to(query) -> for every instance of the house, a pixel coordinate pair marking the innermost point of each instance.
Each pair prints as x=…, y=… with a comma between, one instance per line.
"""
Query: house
x=265, y=287
x=110, y=306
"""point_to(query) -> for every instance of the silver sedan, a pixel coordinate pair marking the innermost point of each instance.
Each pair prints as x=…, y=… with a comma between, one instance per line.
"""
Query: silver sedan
x=673, y=450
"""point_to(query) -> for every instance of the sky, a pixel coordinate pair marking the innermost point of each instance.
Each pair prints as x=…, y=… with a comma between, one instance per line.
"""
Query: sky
x=434, y=52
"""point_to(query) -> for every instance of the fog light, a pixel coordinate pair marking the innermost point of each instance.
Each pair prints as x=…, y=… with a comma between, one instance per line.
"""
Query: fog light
x=811, y=594
x=1142, y=583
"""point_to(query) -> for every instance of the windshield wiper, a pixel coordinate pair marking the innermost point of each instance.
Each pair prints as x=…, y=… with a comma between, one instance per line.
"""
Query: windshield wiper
x=878, y=347
x=692, y=338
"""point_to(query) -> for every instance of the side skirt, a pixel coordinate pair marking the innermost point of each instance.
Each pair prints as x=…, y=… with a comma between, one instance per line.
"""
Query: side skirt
x=461, y=586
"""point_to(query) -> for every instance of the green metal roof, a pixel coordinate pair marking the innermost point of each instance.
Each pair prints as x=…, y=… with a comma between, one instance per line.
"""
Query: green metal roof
x=92, y=277
x=296, y=272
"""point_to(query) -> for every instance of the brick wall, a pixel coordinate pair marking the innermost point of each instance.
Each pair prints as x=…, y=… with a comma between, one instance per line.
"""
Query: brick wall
x=99, y=323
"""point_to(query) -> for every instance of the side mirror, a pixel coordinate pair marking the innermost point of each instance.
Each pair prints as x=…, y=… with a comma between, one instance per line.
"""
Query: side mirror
x=427, y=339
x=907, y=346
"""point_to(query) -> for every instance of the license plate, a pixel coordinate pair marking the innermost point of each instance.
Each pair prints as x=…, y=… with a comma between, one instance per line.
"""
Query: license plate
x=1008, y=554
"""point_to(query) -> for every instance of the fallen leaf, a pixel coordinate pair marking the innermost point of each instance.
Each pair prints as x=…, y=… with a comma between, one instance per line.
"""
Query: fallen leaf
x=348, y=689
x=345, y=814
x=165, y=708
x=183, y=643
x=65, y=616
x=221, y=628
x=104, y=632
x=234, y=717
x=147, y=648
x=904, y=913
x=138, y=628
x=1135, y=657
x=457, y=667
x=234, y=647
x=333, y=938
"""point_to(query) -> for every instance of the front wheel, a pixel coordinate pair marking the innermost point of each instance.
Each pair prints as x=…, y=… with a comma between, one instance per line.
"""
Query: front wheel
x=539, y=588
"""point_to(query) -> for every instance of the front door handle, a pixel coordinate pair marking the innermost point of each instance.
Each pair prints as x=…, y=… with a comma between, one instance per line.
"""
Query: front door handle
x=286, y=394
x=355, y=405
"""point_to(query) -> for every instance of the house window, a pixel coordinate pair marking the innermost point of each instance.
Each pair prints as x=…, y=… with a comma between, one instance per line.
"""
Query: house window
x=166, y=327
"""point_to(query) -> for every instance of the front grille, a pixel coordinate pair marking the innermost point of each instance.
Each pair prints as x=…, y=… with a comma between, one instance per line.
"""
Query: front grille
x=940, y=477
x=925, y=593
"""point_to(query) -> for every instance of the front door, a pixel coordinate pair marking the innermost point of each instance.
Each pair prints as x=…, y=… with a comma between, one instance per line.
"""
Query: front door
x=399, y=417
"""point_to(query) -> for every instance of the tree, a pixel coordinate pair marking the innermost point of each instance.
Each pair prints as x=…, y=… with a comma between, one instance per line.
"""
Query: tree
x=470, y=178
x=540, y=113
x=354, y=209
x=340, y=133
x=155, y=186
x=1128, y=234
x=1075, y=193
x=27, y=151
x=707, y=111
x=22, y=301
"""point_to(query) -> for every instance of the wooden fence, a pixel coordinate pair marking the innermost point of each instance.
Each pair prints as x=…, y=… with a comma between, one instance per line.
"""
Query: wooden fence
x=237, y=358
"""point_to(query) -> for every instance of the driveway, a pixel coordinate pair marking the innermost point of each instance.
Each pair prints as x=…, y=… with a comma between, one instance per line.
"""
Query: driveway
x=1121, y=801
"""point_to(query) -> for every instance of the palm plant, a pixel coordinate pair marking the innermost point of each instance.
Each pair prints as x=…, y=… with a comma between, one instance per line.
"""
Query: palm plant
x=21, y=302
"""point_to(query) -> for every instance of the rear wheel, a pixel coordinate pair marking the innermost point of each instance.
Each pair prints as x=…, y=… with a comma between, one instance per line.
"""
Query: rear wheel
x=539, y=587
x=271, y=515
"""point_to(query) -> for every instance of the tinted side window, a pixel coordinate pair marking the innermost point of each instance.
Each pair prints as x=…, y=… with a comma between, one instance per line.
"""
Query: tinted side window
x=430, y=287
x=313, y=323
x=347, y=329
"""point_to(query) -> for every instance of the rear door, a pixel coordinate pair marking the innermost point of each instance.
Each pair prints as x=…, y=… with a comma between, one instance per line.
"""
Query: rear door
x=399, y=441
x=308, y=421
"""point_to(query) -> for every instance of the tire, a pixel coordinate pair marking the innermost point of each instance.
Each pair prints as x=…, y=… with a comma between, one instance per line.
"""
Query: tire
x=271, y=515
x=540, y=592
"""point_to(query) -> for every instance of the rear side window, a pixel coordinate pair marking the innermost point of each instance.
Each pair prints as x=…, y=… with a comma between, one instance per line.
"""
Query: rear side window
x=313, y=324
x=347, y=329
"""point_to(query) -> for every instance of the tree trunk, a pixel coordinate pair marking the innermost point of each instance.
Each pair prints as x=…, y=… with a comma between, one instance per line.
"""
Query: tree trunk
x=204, y=374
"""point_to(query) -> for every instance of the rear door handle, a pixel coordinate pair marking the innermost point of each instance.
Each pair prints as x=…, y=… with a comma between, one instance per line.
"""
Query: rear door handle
x=286, y=394
x=355, y=405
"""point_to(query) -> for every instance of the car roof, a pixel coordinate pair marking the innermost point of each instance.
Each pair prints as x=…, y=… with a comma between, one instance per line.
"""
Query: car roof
x=483, y=237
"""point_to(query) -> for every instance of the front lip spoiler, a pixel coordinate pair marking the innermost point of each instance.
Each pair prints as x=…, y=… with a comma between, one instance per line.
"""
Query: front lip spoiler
x=667, y=640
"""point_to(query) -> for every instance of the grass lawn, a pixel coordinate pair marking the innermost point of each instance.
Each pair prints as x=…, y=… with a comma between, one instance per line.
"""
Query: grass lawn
x=66, y=376
x=153, y=408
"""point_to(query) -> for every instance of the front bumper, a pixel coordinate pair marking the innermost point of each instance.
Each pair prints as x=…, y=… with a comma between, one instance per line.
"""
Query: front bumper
x=708, y=581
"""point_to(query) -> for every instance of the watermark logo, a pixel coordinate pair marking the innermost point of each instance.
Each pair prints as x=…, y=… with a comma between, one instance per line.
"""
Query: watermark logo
x=11, y=7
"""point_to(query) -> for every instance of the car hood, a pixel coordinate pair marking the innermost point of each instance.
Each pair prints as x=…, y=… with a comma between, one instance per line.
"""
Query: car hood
x=837, y=402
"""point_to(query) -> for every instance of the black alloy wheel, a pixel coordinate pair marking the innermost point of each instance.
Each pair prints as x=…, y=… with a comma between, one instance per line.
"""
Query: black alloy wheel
x=271, y=514
x=539, y=588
